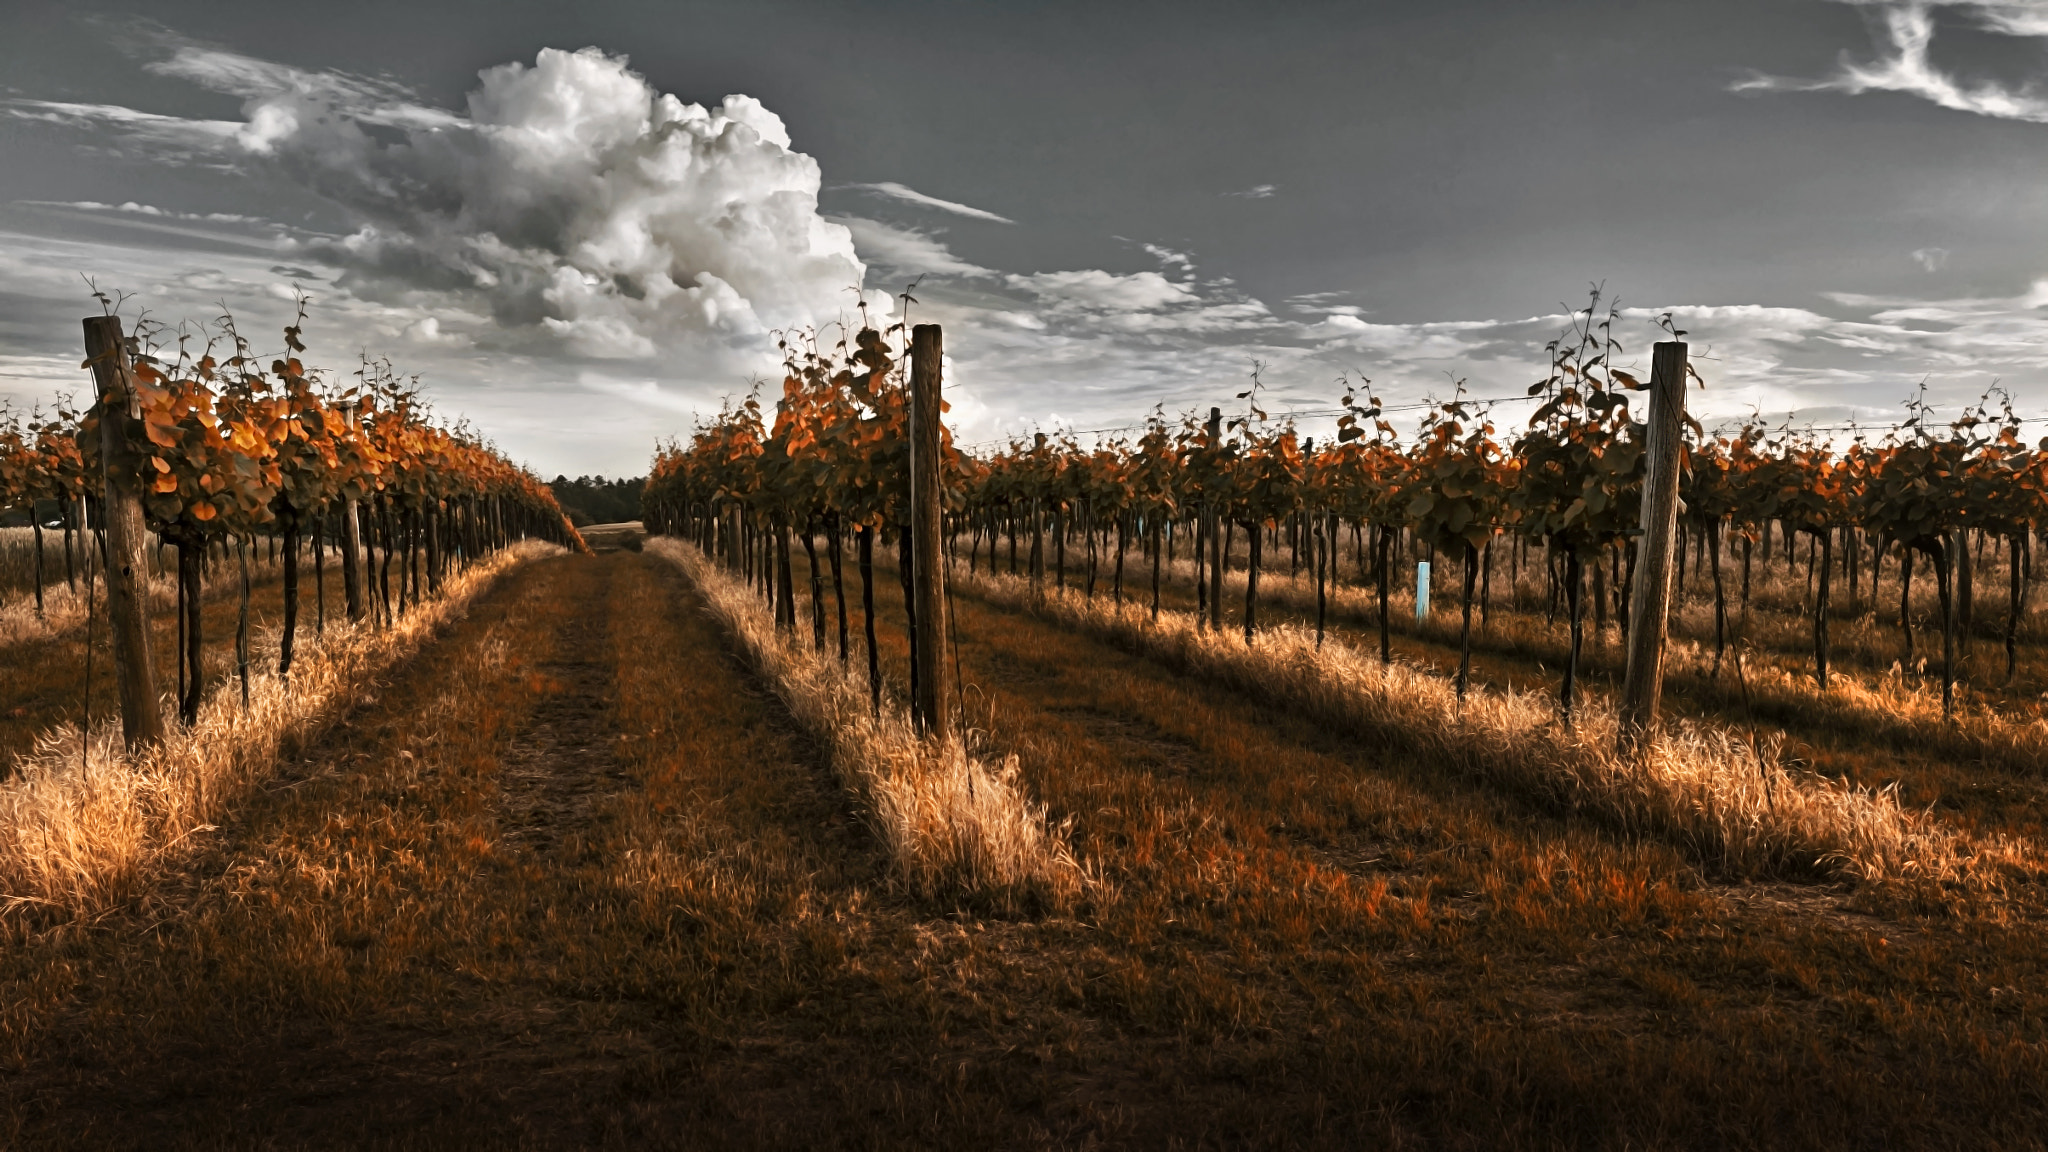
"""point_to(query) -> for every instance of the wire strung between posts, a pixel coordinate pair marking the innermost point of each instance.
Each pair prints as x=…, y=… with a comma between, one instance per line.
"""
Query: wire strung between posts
x=1717, y=429
x=85, y=705
x=1295, y=414
x=953, y=636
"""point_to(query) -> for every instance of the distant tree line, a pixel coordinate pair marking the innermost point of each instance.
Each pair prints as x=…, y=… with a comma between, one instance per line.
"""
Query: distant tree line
x=596, y=500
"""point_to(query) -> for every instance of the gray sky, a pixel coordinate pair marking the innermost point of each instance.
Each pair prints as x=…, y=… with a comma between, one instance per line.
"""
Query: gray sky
x=1114, y=205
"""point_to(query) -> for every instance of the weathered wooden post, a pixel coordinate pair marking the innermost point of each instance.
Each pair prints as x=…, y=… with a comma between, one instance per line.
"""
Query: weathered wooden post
x=927, y=510
x=142, y=716
x=1643, y=684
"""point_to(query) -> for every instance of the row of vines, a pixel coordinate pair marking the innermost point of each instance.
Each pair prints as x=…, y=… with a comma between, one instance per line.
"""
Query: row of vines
x=237, y=457
x=830, y=461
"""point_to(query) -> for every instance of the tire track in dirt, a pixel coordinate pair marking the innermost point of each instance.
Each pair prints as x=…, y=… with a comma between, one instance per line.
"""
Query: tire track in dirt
x=558, y=773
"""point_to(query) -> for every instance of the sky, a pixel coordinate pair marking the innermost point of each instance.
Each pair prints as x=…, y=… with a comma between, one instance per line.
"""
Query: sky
x=583, y=225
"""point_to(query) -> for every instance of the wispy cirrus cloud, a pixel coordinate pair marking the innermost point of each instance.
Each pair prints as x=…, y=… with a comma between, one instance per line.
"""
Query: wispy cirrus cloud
x=134, y=208
x=1905, y=34
x=906, y=250
x=908, y=195
x=178, y=136
x=1930, y=259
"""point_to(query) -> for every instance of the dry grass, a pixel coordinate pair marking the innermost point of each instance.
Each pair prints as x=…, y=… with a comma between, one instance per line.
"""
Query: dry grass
x=82, y=828
x=1255, y=847
x=18, y=558
x=1892, y=706
x=955, y=826
x=65, y=607
x=1729, y=802
x=1778, y=620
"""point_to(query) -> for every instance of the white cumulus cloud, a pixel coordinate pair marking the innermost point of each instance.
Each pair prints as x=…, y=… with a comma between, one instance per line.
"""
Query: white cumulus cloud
x=571, y=201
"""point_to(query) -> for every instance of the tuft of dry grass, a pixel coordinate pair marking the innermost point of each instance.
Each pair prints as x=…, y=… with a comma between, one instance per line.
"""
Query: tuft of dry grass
x=18, y=558
x=81, y=828
x=953, y=825
x=63, y=609
x=1729, y=802
x=1901, y=710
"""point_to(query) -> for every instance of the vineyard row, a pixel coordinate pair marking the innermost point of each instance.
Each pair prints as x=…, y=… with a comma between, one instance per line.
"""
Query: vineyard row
x=192, y=439
x=832, y=458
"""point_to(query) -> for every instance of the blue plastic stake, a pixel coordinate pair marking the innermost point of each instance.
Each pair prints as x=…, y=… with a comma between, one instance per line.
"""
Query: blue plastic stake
x=1422, y=589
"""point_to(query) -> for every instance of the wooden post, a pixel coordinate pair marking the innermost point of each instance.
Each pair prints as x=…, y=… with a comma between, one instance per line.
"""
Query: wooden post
x=1643, y=684
x=142, y=717
x=927, y=503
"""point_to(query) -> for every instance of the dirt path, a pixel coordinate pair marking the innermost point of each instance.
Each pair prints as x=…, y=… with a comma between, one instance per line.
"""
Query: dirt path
x=501, y=905
x=557, y=775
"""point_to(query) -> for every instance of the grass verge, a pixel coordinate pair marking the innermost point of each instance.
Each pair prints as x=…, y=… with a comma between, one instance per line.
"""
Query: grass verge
x=953, y=824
